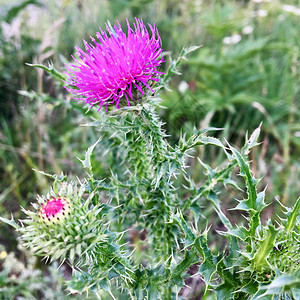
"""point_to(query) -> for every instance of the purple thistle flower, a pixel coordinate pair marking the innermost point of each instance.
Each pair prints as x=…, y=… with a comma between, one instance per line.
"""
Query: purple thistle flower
x=117, y=66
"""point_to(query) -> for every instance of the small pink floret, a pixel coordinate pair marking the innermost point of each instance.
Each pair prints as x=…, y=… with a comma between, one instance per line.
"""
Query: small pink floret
x=53, y=207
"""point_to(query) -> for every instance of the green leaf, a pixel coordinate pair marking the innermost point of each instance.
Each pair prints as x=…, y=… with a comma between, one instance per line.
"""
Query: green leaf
x=202, y=247
x=292, y=217
x=252, y=142
x=200, y=243
x=51, y=70
x=174, y=64
x=255, y=202
x=251, y=182
x=207, y=270
x=247, y=205
x=10, y=222
x=153, y=291
x=191, y=257
x=279, y=285
x=190, y=237
x=260, y=294
x=210, y=129
x=87, y=159
x=81, y=282
x=296, y=292
x=224, y=291
x=212, y=197
x=265, y=247
x=250, y=288
x=104, y=210
x=155, y=277
x=240, y=232
x=234, y=249
x=199, y=139
x=59, y=178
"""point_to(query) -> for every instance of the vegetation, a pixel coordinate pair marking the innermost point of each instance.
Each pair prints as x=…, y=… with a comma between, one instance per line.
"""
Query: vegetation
x=243, y=77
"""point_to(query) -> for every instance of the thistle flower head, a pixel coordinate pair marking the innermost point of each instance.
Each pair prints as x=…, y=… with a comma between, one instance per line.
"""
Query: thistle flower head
x=54, y=209
x=117, y=66
x=64, y=223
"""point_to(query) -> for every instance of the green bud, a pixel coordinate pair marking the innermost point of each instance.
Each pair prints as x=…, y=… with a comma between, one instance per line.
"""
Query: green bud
x=64, y=225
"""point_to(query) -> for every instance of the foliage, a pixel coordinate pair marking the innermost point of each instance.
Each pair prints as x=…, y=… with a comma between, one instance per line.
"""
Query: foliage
x=248, y=65
x=141, y=193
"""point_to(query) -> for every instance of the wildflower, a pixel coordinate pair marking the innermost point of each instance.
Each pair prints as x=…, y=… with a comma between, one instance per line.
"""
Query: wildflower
x=118, y=66
x=3, y=254
x=292, y=9
x=231, y=40
x=247, y=30
x=260, y=13
x=183, y=87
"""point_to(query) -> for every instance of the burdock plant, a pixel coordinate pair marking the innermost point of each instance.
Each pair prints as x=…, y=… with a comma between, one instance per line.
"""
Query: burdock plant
x=90, y=222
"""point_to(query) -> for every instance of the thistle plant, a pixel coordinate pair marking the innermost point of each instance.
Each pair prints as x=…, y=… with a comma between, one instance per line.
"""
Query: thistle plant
x=90, y=222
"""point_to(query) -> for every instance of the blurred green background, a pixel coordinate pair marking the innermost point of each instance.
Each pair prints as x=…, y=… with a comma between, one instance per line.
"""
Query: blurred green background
x=246, y=72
